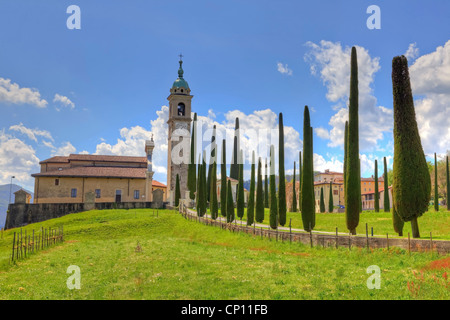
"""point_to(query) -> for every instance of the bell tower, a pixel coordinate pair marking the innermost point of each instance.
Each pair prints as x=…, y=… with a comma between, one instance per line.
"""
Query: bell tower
x=179, y=135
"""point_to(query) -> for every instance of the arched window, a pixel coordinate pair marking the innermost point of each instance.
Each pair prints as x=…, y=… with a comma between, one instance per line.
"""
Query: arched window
x=181, y=109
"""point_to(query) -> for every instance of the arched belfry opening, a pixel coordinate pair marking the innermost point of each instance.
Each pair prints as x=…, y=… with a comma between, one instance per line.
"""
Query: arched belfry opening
x=181, y=109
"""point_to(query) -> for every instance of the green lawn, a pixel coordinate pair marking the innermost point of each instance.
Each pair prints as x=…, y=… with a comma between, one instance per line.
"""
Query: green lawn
x=436, y=222
x=183, y=259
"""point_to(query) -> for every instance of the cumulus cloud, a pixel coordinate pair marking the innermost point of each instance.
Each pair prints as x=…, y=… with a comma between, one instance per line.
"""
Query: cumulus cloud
x=331, y=61
x=412, y=52
x=17, y=159
x=66, y=149
x=430, y=78
x=13, y=93
x=283, y=69
x=63, y=101
x=31, y=133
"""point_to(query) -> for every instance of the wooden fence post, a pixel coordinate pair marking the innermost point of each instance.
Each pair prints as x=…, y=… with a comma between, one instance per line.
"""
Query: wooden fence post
x=431, y=243
x=409, y=245
x=337, y=242
x=290, y=230
x=387, y=240
x=14, y=240
x=310, y=235
x=367, y=237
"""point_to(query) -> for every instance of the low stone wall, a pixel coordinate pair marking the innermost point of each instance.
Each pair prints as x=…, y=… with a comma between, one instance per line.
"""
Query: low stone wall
x=21, y=214
x=327, y=240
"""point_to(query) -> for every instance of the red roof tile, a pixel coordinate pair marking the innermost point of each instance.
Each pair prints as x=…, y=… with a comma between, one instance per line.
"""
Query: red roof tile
x=103, y=158
x=57, y=159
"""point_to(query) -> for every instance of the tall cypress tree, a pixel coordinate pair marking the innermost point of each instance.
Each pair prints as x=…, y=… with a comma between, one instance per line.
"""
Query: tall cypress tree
x=308, y=202
x=436, y=188
x=197, y=194
x=259, y=212
x=223, y=180
x=412, y=183
x=387, y=205
x=230, y=203
x=212, y=160
x=345, y=156
x=353, y=181
x=192, y=183
x=360, y=192
x=251, y=197
x=274, y=217
x=448, y=185
x=397, y=221
x=203, y=187
x=300, y=181
x=234, y=167
x=322, y=201
x=266, y=188
x=281, y=174
x=240, y=189
x=294, y=194
x=213, y=207
x=377, y=195
x=330, y=200
x=177, y=191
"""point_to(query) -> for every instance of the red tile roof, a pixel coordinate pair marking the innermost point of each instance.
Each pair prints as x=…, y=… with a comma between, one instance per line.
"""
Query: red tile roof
x=158, y=184
x=103, y=158
x=96, y=172
x=57, y=159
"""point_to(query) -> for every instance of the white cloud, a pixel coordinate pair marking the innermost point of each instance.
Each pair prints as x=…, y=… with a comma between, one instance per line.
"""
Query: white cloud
x=12, y=93
x=430, y=78
x=64, y=101
x=31, y=133
x=283, y=69
x=66, y=149
x=412, y=52
x=17, y=159
x=322, y=133
x=333, y=63
x=320, y=164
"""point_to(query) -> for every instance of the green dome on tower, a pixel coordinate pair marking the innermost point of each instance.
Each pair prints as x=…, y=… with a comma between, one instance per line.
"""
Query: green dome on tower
x=180, y=82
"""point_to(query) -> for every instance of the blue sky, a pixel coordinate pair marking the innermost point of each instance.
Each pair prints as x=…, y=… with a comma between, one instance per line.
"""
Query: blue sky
x=104, y=84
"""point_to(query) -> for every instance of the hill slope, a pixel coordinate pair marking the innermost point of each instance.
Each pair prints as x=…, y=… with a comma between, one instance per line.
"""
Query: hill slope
x=183, y=259
x=4, y=199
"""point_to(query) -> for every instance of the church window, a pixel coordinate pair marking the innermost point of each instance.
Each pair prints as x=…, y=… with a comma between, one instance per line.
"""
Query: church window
x=181, y=109
x=73, y=193
x=136, y=194
x=56, y=182
x=97, y=193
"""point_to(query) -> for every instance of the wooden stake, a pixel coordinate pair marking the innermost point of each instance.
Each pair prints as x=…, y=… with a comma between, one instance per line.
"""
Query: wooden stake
x=14, y=240
x=387, y=240
x=337, y=238
x=409, y=245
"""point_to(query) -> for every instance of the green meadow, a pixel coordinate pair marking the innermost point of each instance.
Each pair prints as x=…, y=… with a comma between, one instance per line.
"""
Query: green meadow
x=181, y=259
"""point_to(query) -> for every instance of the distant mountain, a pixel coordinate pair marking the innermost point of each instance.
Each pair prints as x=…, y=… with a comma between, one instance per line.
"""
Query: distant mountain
x=4, y=199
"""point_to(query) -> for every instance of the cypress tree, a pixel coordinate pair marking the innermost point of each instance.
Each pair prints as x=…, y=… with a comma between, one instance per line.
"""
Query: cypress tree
x=281, y=174
x=300, y=182
x=308, y=202
x=448, y=185
x=197, y=197
x=234, y=167
x=294, y=194
x=266, y=188
x=330, y=201
x=353, y=181
x=412, y=183
x=212, y=160
x=387, y=205
x=251, y=197
x=240, y=189
x=203, y=187
x=377, y=195
x=230, y=204
x=436, y=188
x=322, y=201
x=359, y=189
x=345, y=156
x=396, y=220
x=259, y=212
x=177, y=191
x=213, y=207
x=223, y=181
x=192, y=183
x=273, y=192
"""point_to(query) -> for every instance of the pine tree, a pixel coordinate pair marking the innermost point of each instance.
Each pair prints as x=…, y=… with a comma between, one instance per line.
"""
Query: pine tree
x=234, y=167
x=230, y=204
x=377, y=195
x=411, y=183
x=240, y=189
x=223, y=181
x=212, y=160
x=330, y=200
x=192, y=183
x=177, y=191
x=266, y=188
x=294, y=194
x=322, y=201
x=274, y=218
x=213, y=206
x=259, y=212
x=300, y=182
x=251, y=197
x=281, y=174
x=308, y=201
x=436, y=188
x=387, y=205
x=353, y=181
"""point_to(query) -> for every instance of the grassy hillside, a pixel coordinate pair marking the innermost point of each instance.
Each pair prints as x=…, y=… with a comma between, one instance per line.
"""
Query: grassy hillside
x=183, y=259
